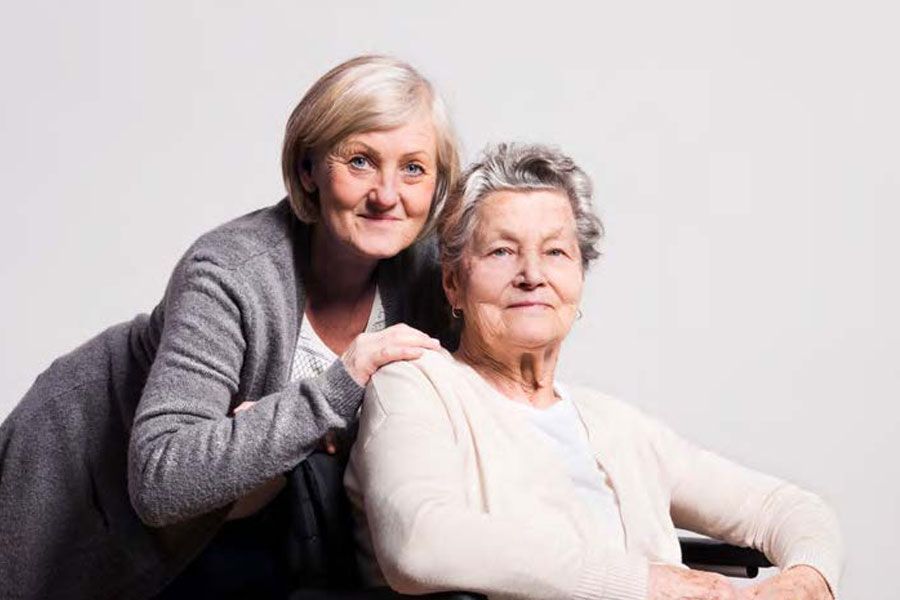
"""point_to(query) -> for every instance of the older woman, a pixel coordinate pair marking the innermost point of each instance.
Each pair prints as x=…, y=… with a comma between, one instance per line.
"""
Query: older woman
x=479, y=471
x=269, y=329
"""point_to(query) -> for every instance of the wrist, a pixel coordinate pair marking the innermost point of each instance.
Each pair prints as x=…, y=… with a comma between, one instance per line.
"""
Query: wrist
x=813, y=581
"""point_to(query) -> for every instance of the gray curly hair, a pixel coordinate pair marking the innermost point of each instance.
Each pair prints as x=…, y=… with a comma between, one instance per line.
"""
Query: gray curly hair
x=517, y=167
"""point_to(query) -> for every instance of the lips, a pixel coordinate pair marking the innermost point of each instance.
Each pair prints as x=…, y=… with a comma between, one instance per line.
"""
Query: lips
x=529, y=304
x=379, y=218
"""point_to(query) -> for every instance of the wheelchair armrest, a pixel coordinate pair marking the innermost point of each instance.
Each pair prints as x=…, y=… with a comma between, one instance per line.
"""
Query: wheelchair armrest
x=698, y=553
x=453, y=596
x=379, y=593
x=713, y=555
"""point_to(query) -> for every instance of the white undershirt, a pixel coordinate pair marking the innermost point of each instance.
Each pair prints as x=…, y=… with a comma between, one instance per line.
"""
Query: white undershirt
x=312, y=356
x=561, y=426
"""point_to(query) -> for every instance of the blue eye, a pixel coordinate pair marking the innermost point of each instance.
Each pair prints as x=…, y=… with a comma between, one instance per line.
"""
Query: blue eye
x=358, y=162
x=414, y=169
x=501, y=252
x=556, y=252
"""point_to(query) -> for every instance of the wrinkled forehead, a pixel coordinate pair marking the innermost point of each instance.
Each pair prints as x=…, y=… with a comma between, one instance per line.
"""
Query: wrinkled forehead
x=524, y=215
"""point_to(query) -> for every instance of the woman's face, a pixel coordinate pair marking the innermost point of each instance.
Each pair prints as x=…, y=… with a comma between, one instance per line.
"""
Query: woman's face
x=375, y=189
x=521, y=278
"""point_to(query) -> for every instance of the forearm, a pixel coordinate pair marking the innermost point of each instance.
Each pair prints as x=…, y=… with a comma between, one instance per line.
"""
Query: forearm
x=445, y=548
x=801, y=529
x=188, y=457
x=717, y=497
x=789, y=525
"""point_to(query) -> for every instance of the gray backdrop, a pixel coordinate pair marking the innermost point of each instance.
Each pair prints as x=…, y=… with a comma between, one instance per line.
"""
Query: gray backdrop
x=745, y=156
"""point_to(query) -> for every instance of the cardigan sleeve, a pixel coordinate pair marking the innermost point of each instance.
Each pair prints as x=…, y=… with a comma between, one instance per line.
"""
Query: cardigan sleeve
x=714, y=496
x=427, y=538
x=187, y=456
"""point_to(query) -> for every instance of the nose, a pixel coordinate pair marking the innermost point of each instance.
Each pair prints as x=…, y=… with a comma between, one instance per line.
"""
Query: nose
x=385, y=194
x=531, y=272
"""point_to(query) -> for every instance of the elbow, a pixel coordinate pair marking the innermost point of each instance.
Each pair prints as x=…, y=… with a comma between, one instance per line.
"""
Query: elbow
x=146, y=502
x=805, y=523
x=410, y=572
x=416, y=561
x=147, y=506
x=147, y=490
x=811, y=535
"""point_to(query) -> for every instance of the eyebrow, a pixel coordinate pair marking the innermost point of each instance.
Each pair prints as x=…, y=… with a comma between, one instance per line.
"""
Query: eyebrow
x=509, y=235
x=355, y=146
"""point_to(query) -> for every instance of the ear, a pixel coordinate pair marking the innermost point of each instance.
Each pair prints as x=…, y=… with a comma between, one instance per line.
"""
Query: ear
x=304, y=169
x=450, y=281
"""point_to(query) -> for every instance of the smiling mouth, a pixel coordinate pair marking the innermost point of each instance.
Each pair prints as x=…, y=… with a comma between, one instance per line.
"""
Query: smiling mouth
x=529, y=305
x=379, y=218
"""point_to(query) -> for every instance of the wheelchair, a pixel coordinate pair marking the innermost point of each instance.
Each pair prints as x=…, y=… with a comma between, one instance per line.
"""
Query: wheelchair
x=322, y=542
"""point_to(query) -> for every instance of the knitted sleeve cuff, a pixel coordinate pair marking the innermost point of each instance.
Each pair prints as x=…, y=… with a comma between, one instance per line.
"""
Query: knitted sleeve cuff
x=612, y=575
x=343, y=393
x=822, y=561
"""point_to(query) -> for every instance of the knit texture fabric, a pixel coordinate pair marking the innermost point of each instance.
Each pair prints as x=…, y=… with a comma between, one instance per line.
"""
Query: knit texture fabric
x=224, y=332
x=453, y=491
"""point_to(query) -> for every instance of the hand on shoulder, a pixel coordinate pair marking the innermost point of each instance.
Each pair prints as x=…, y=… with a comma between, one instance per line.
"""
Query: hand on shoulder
x=370, y=351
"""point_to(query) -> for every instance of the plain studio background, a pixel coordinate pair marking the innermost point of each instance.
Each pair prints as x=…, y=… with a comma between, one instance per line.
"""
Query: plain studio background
x=745, y=158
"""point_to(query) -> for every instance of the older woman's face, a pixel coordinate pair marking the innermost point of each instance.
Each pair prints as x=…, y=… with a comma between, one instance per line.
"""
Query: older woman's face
x=375, y=189
x=521, y=277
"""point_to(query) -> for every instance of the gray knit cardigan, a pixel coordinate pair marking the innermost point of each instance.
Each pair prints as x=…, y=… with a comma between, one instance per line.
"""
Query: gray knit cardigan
x=83, y=514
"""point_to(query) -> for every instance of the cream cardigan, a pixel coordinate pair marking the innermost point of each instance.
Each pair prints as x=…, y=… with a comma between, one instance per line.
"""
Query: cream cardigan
x=453, y=492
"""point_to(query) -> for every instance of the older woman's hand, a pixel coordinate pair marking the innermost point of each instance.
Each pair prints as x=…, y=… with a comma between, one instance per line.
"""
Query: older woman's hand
x=797, y=583
x=370, y=351
x=675, y=583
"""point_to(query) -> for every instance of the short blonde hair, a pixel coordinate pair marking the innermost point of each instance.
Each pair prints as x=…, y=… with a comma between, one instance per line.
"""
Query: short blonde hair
x=517, y=167
x=366, y=93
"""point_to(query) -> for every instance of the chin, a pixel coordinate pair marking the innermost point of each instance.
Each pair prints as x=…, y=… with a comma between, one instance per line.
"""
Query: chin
x=384, y=245
x=381, y=251
x=533, y=339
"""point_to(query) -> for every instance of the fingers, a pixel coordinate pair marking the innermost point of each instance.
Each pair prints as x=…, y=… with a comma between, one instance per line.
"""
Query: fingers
x=402, y=334
x=330, y=442
x=389, y=354
x=371, y=351
x=243, y=406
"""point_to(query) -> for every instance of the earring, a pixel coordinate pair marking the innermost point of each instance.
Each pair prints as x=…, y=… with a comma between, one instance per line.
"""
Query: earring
x=578, y=315
x=456, y=313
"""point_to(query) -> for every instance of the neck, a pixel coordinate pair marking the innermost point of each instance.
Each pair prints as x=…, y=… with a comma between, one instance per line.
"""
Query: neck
x=523, y=375
x=337, y=274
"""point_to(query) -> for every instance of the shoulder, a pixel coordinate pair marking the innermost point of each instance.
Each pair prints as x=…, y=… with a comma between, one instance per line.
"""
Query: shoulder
x=264, y=233
x=427, y=371
x=405, y=394
x=251, y=257
x=610, y=412
x=422, y=378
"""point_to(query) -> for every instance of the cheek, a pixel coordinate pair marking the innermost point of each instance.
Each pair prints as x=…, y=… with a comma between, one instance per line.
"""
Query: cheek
x=343, y=193
x=480, y=298
x=573, y=295
x=486, y=282
x=570, y=285
x=419, y=199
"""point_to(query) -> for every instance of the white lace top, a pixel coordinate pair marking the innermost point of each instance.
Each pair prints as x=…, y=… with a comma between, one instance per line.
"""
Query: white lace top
x=312, y=356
